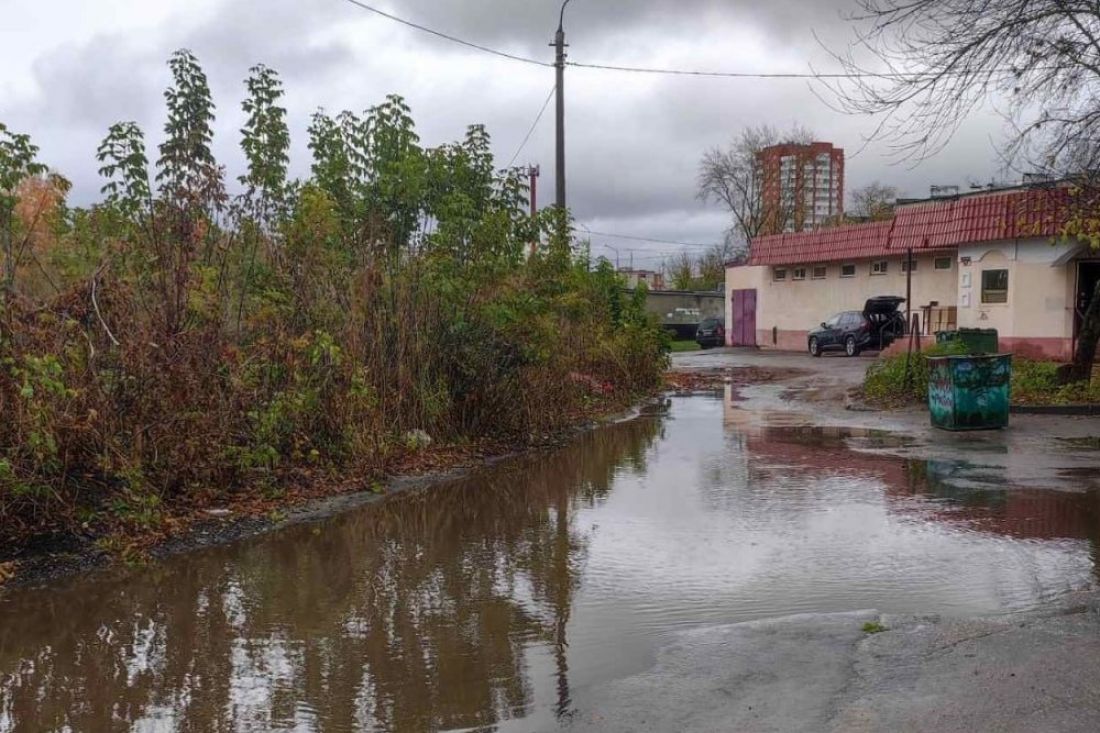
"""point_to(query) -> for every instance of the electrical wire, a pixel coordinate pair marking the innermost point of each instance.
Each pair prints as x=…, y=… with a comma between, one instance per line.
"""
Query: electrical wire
x=645, y=70
x=531, y=132
x=751, y=74
x=445, y=36
x=647, y=239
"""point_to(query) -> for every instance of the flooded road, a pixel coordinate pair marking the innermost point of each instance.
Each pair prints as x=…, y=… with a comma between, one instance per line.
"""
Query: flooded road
x=501, y=601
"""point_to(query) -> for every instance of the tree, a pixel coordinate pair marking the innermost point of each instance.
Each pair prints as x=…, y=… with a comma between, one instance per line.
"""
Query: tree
x=126, y=169
x=17, y=162
x=265, y=140
x=188, y=173
x=680, y=271
x=732, y=177
x=706, y=271
x=947, y=58
x=873, y=202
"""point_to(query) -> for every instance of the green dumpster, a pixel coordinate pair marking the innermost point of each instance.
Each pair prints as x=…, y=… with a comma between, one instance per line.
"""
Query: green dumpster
x=969, y=392
x=976, y=340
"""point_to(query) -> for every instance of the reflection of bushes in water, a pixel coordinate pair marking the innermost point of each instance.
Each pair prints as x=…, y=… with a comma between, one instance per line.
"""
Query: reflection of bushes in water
x=411, y=614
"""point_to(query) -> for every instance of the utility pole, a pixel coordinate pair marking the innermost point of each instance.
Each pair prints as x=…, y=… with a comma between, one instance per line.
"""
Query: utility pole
x=533, y=172
x=559, y=64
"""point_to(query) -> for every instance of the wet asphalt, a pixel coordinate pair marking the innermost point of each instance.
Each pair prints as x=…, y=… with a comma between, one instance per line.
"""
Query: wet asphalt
x=1030, y=671
x=773, y=557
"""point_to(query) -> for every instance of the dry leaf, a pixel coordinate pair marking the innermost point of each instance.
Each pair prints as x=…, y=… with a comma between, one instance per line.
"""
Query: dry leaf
x=7, y=571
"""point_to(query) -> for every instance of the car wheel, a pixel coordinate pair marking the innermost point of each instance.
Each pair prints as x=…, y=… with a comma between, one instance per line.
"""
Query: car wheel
x=815, y=348
x=851, y=348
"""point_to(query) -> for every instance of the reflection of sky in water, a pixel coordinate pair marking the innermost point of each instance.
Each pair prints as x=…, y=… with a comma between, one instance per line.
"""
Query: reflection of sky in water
x=500, y=600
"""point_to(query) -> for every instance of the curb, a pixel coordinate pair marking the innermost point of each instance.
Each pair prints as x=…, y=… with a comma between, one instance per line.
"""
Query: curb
x=1070, y=410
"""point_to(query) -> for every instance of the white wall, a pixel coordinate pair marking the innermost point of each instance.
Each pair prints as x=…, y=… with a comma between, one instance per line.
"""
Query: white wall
x=1041, y=281
x=799, y=306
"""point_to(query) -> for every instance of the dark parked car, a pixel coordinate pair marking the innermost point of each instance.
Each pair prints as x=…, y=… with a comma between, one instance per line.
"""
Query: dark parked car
x=875, y=327
x=711, y=332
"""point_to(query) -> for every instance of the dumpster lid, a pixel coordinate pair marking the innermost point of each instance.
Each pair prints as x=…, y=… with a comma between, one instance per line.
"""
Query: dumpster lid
x=882, y=304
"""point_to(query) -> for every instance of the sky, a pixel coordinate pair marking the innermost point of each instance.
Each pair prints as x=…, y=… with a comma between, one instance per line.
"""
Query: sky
x=71, y=68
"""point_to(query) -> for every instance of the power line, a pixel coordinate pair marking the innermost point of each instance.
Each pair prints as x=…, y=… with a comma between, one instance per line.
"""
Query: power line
x=531, y=132
x=445, y=36
x=656, y=71
x=751, y=74
x=648, y=239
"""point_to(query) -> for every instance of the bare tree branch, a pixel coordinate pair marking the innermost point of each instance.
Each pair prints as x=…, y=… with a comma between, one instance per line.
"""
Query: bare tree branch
x=732, y=177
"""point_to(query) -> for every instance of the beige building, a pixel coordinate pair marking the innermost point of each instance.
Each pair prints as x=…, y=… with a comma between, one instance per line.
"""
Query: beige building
x=650, y=278
x=989, y=260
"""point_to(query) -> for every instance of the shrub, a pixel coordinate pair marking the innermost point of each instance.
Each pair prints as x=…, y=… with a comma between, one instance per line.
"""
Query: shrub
x=886, y=378
x=193, y=345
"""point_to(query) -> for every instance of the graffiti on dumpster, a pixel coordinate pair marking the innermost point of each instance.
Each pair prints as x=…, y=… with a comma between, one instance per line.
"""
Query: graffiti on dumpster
x=969, y=392
x=941, y=392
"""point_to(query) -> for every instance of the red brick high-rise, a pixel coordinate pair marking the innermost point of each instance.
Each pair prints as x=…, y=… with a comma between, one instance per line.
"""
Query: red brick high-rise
x=801, y=186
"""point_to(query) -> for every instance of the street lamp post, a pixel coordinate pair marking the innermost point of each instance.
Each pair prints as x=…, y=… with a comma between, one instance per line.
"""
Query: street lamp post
x=559, y=65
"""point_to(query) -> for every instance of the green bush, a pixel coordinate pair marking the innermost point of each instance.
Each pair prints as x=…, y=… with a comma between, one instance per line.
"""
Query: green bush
x=193, y=344
x=1033, y=382
x=1039, y=383
x=886, y=381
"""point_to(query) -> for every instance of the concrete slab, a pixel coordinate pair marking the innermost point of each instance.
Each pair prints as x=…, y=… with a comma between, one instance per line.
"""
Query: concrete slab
x=776, y=675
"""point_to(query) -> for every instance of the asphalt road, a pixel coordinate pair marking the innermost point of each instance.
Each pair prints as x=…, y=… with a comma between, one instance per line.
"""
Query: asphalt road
x=1030, y=673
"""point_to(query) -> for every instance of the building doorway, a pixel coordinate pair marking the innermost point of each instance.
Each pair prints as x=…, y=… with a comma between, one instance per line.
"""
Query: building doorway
x=742, y=331
x=1088, y=274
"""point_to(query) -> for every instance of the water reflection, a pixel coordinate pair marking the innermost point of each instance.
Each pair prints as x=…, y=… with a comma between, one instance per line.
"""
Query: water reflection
x=501, y=601
x=413, y=615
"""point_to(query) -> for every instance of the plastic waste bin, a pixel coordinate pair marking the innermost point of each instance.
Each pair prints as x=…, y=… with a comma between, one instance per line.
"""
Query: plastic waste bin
x=969, y=392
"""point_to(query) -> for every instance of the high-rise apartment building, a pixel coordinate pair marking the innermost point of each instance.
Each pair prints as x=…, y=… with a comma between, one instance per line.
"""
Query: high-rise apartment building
x=801, y=186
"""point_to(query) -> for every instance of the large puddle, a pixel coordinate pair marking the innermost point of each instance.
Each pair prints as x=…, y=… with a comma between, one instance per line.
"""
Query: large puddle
x=497, y=602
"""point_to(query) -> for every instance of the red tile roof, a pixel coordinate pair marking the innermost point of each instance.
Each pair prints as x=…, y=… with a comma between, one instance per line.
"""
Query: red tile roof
x=930, y=226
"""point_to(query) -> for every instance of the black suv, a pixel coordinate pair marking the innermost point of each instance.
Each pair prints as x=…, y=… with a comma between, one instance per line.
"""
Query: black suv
x=875, y=327
x=711, y=332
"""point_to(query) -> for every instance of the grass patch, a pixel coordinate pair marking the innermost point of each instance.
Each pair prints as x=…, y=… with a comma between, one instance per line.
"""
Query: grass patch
x=1038, y=383
x=679, y=347
x=886, y=384
x=1033, y=382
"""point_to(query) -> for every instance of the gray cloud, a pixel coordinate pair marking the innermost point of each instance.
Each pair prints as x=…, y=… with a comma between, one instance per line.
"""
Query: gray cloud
x=530, y=24
x=634, y=140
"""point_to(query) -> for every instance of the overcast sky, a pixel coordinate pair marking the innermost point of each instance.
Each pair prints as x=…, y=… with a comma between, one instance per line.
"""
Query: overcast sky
x=70, y=68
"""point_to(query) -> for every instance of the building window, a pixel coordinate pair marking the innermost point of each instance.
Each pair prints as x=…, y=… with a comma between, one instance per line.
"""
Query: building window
x=994, y=286
x=780, y=273
x=847, y=270
x=943, y=263
x=820, y=272
x=799, y=273
x=880, y=267
x=905, y=265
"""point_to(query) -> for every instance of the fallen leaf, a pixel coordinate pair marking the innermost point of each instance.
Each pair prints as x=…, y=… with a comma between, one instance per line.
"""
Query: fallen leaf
x=7, y=571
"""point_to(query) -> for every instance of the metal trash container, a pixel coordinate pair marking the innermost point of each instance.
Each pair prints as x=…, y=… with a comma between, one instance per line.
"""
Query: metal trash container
x=969, y=392
x=976, y=340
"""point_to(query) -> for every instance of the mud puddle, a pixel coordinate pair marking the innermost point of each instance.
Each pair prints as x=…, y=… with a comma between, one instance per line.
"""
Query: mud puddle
x=502, y=600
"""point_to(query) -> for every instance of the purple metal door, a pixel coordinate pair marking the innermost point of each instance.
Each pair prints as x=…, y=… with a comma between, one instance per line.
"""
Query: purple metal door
x=743, y=329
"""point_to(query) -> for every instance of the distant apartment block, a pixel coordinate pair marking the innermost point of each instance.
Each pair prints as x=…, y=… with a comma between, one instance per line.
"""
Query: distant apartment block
x=652, y=279
x=801, y=186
